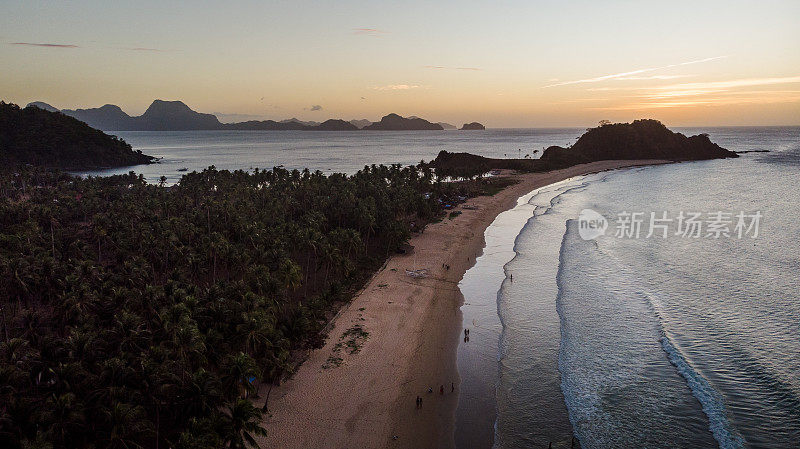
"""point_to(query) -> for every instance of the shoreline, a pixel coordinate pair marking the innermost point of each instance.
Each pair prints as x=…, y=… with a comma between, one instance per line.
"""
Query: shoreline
x=366, y=399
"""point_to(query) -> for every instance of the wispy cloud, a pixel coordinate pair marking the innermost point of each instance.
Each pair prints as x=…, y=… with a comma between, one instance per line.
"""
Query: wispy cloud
x=315, y=107
x=712, y=93
x=34, y=44
x=369, y=31
x=441, y=67
x=144, y=49
x=397, y=87
x=624, y=75
x=731, y=99
x=654, y=77
x=730, y=84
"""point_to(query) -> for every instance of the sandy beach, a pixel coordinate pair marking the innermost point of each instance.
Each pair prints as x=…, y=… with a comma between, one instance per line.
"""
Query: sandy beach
x=366, y=399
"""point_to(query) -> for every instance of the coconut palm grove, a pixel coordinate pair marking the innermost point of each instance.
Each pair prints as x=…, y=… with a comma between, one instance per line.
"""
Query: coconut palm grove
x=143, y=315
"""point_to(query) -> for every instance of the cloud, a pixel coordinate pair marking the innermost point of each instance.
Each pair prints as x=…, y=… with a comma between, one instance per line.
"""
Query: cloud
x=713, y=93
x=369, y=32
x=397, y=87
x=32, y=44
x=624, y=75
x=654, y=77
x=441, y=67
x=316, y=107
x=730, y=84
x=732, y=99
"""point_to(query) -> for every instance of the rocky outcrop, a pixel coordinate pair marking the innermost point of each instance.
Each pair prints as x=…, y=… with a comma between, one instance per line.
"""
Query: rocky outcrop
x=472, y=126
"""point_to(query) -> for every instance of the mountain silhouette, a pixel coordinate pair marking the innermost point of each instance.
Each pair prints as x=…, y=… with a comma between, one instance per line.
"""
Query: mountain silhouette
x=42, y=105
x=38, y=136
x=177, y=116
x=394, y=122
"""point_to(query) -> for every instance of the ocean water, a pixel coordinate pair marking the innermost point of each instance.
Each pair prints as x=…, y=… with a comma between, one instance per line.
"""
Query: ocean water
x=642, y=342
x=332, y=151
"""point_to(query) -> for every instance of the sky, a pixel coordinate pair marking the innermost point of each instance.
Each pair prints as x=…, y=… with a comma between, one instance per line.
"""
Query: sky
x=502, y=63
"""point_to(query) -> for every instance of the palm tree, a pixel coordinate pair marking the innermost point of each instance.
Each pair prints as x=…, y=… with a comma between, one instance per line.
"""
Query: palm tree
x=243, y=423
x=239, y=370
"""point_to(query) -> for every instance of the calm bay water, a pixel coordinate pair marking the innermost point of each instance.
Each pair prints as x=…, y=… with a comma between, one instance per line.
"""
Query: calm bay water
x=659, y=342
x=332, y=151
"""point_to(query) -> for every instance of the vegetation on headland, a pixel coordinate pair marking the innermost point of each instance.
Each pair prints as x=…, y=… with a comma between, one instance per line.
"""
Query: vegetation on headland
x=44, y=138
x=140, y=315
x=642, y=139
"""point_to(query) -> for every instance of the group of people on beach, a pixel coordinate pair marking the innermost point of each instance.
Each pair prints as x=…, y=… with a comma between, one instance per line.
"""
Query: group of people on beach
x=466, y=335
x=441, y=392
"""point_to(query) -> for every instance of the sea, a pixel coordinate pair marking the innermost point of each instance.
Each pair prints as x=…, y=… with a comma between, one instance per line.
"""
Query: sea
x=684, y=337
x=326, y=151
x=677, y=326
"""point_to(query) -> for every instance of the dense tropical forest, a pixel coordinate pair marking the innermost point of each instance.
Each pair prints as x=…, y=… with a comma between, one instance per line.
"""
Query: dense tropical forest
x=40, y=137
x=139, y=315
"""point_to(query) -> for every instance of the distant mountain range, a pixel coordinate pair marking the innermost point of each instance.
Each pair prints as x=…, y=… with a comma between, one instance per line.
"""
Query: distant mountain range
x=177, y=116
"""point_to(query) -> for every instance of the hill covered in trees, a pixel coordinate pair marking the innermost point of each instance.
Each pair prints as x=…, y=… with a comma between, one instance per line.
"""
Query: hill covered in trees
x=642, y=139
x=37, y=136
x=137, y=315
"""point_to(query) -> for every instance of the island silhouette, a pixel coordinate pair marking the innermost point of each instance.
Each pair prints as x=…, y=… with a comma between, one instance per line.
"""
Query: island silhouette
x=165, y=115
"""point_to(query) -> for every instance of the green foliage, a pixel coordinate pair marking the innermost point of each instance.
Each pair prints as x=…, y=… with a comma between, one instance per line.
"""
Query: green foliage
x=52, y=139
x=138, y=315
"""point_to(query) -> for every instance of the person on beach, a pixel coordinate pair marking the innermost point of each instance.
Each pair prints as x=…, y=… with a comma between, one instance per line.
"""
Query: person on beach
x=441, y=389
x=452, y=387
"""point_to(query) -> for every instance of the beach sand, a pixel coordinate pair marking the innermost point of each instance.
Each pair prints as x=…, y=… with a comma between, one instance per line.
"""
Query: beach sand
x=367, y=399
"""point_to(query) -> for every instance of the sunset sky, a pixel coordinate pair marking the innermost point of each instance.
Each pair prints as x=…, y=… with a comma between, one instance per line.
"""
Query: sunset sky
x=506, y=64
